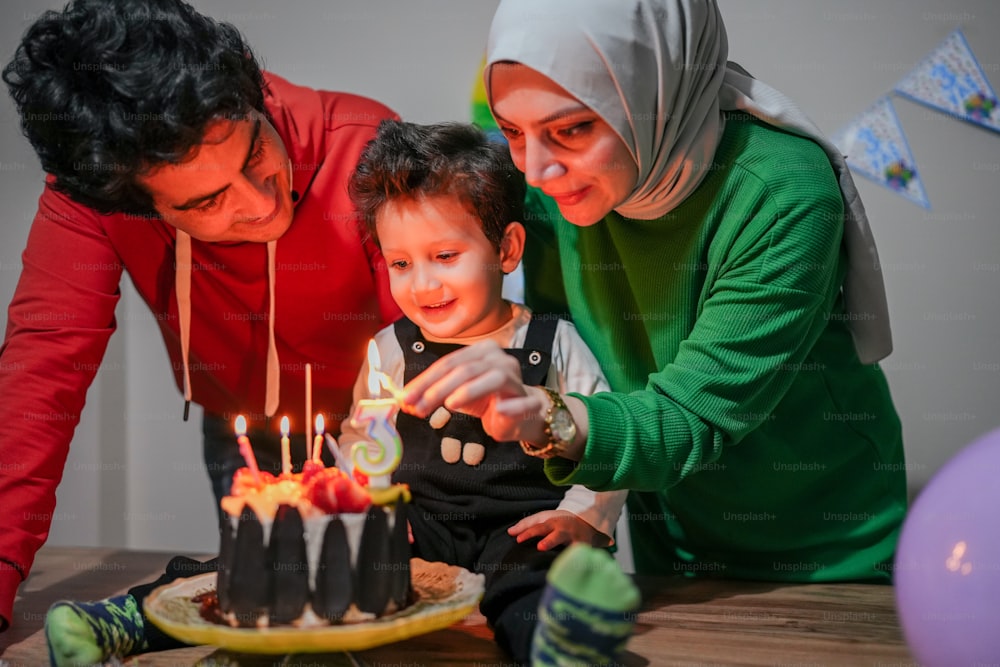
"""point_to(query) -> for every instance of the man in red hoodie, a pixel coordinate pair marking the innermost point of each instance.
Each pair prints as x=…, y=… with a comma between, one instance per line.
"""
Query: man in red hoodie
x=221, y=191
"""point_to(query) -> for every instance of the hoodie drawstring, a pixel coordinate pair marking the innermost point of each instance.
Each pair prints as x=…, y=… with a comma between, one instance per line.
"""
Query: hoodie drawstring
x=182, y=285
x=273, y=372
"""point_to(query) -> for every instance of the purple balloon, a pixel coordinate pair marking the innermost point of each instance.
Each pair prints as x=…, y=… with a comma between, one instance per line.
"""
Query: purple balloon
x=947, y=570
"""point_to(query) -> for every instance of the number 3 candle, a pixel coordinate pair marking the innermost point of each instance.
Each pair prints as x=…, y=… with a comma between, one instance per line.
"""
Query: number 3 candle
x=381, y=455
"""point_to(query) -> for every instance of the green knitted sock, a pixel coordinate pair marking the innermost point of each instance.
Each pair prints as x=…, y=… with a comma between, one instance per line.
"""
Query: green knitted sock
x=587, y=611
x=85, y=633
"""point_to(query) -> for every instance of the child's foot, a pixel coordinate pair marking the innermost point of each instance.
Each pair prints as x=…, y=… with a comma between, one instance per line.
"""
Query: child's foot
x=587, y=611
x=85, y=633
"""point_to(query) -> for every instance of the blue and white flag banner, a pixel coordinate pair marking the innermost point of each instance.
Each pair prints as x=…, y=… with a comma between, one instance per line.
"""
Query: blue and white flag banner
x=876, y=148
x=950, y=79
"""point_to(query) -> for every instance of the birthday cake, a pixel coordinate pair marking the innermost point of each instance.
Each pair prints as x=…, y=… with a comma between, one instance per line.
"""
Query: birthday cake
x=310, y=549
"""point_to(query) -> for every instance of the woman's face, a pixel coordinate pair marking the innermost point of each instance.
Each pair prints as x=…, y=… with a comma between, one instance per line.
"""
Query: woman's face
x=562, y=146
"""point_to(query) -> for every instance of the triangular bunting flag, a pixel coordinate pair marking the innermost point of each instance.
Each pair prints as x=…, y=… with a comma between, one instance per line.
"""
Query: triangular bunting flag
x=950, y=79
x=876, y=148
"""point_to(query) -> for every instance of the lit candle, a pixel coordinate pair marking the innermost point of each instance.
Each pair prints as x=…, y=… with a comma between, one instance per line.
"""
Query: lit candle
x=286, y=455
x=387, y=383
x=309, y=409
x=245, y=450
x=378, y=457
x=317, y=448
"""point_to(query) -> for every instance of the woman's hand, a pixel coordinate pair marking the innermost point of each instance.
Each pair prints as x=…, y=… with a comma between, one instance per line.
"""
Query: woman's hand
x=483, y=381
x=557, y=527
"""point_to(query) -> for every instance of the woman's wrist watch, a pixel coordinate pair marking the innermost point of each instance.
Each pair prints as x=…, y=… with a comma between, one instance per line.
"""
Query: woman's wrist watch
x=560, y=429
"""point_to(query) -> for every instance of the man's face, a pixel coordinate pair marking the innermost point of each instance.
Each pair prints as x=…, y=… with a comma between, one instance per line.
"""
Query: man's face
x=234, y=186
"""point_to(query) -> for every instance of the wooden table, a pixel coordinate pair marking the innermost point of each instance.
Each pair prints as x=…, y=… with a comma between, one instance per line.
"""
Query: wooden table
x=703, y=623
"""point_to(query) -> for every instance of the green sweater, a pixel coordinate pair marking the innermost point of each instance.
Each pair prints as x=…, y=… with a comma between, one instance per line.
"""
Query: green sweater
x=755, y=442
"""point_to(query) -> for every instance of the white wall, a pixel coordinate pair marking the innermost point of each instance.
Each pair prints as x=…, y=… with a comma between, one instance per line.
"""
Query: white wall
x=420, y=57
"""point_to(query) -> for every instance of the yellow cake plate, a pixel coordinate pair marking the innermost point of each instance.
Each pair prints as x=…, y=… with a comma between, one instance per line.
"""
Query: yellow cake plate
x=171, y=609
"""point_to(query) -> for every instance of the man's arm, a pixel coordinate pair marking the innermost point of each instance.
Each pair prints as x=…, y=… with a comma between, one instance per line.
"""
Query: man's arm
x=59, y=323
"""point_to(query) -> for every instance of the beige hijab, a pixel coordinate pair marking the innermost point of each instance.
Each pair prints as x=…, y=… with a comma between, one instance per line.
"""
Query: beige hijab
x=657, y=72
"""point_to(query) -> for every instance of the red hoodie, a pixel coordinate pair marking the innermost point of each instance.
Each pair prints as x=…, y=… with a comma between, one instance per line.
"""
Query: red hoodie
x=331, y=296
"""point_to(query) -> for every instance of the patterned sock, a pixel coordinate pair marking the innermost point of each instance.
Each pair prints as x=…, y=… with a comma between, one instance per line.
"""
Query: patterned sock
x=587, y=611
x=84, y=633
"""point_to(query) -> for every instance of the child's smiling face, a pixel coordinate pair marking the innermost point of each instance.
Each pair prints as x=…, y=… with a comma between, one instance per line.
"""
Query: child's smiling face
x=444, y=273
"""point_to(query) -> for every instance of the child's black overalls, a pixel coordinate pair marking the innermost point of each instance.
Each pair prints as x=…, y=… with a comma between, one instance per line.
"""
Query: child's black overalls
x=460, y=512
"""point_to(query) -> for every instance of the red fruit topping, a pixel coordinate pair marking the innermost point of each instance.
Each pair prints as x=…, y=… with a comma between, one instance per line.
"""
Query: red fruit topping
x=351, y=496
x=310, y=469
x=332, y=492
x=323, y=496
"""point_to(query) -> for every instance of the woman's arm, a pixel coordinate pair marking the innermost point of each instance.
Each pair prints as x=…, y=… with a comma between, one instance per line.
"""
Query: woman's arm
x=765, y=310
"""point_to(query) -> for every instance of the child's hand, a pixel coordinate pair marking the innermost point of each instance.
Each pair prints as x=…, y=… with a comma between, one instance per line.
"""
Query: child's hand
x=556, y=527
x=483, y=381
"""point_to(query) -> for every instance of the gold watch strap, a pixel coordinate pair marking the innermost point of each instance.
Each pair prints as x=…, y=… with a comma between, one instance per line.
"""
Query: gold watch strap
x=546, y=452
x=553, y=448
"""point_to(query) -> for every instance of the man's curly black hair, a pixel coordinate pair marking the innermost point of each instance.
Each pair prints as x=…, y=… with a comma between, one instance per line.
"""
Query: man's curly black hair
x=109, y=88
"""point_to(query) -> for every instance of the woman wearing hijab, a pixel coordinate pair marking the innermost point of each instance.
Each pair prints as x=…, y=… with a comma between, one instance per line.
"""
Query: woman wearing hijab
x=712, y=250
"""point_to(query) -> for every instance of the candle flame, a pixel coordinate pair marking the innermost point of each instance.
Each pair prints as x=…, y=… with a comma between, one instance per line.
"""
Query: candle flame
x=320, y=424
x=374, y=381
x=387, y=384
x=284, y=426
x=241, y=425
